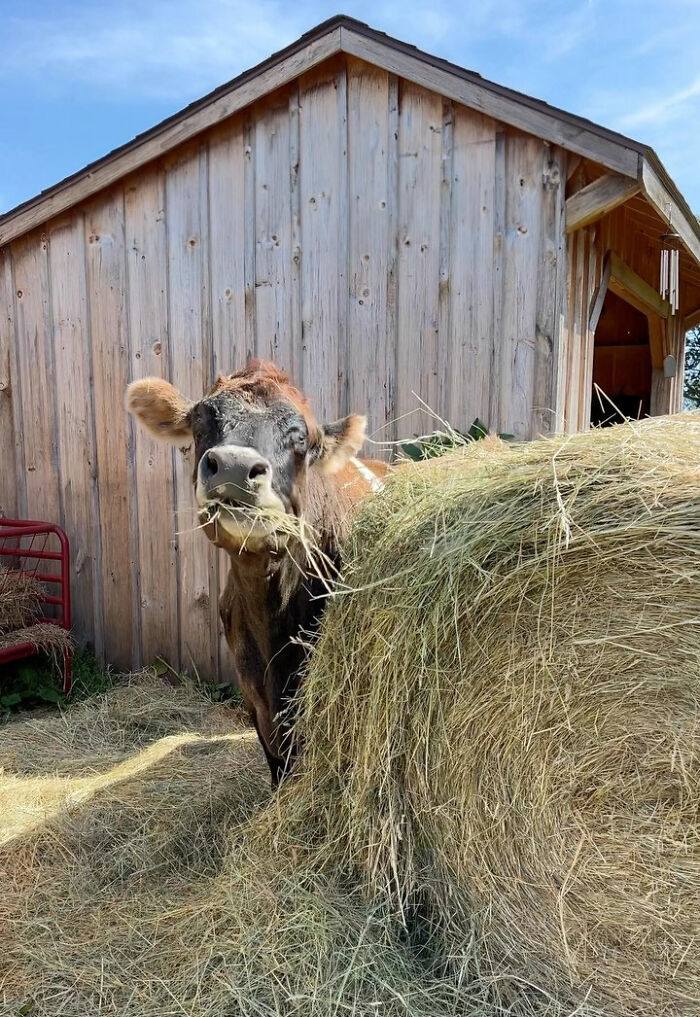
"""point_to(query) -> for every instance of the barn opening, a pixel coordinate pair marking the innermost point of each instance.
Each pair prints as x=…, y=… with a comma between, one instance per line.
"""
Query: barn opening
x=621, y=363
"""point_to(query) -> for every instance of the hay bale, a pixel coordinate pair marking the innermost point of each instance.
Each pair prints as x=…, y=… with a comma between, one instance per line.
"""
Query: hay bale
x=502, y=720
x=20, y=599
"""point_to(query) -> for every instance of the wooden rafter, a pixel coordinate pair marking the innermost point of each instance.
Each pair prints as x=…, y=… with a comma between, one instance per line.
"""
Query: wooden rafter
x=597, y=199
x=635, y=290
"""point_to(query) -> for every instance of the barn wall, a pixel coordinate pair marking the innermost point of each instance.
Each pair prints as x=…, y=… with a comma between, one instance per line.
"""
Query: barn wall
x=379, y=242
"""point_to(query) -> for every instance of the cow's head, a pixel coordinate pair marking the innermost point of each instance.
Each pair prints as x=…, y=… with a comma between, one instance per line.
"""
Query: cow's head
x=255, y=441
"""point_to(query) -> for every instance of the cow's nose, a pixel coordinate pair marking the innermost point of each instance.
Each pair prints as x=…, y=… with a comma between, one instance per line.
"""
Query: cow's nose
x=234, y=472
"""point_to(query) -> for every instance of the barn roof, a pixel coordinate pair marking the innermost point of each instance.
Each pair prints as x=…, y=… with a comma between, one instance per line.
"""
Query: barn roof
x=631, y=165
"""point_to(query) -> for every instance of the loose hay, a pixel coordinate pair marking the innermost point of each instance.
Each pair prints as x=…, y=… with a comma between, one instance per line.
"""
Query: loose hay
x=43, y=636
x=155, y=898
x=20, y=599
x=498, y=808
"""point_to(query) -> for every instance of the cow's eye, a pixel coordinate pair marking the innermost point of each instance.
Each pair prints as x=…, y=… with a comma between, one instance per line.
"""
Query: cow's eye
x=297, y=440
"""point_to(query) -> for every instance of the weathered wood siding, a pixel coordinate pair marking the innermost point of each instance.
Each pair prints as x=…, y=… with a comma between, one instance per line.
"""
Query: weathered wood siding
x=383, y=244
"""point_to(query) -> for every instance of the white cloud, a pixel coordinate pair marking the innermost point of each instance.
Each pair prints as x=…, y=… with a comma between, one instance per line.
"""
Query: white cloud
x=158, y=50
x=661, y=110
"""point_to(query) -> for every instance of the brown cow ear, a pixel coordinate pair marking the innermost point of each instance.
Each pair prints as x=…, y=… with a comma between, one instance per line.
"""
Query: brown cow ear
x=160, y=409
x=340, y=441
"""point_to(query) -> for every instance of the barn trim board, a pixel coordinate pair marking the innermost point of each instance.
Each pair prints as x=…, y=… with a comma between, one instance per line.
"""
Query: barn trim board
x=387, y=227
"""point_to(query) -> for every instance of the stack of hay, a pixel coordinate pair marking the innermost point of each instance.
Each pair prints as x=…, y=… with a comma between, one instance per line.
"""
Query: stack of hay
x=21, y=597
x=498, y=807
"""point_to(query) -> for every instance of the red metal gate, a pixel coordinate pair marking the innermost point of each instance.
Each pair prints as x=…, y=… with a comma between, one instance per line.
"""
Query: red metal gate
x=30, y=544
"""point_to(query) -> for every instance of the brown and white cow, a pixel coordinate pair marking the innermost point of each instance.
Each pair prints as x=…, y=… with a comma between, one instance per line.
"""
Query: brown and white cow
x=258, y=446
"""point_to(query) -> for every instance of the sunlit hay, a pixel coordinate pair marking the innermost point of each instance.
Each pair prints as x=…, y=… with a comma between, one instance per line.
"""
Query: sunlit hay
x=131, y=822
x=159, y=895
x=497, y=808
x=20, y=600
x=96, y=735
x=501, y=722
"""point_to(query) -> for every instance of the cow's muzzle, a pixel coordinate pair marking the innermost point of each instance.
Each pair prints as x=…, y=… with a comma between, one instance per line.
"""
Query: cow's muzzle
x=237, y=475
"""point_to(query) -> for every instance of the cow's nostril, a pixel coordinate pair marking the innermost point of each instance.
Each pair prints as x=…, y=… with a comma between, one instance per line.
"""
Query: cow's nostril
x=258, y=470
x=212, y=463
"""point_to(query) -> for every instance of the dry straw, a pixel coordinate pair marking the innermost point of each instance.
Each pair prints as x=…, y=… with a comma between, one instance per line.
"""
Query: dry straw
x=498, y=808
x=20, y=599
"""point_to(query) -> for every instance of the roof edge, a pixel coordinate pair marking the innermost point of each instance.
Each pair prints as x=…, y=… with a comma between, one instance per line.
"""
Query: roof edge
x=342, y=33
x=328, y=31
x=661, y=192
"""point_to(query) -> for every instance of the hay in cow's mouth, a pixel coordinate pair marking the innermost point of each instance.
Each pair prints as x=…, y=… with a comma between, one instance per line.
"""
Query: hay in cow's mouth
x=278, y=530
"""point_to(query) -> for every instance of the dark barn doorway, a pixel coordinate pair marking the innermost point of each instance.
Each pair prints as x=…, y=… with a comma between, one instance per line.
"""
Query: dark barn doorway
x=621, y=363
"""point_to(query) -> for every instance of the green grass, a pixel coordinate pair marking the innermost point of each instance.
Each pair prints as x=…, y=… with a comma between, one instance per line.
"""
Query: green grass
x=37, y=682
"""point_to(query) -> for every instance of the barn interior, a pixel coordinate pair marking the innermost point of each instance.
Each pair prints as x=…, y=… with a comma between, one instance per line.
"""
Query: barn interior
x=621, y=363
x=635, y=335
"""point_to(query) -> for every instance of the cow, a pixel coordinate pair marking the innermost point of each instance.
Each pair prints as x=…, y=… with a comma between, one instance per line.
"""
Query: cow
x=260, y=457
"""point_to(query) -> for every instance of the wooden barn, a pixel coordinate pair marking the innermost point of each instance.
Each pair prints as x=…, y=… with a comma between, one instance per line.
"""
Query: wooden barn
x=382, y=223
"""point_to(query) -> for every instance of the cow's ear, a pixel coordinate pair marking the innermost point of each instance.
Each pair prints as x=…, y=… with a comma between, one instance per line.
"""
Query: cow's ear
x=160, y=409
x=340, y=441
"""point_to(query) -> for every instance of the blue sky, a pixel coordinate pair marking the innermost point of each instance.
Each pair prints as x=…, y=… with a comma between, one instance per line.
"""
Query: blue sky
x=78, y=78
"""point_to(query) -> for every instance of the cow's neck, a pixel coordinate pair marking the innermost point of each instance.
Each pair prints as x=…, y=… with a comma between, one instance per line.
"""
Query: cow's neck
x=273, y=593
x=279, y=595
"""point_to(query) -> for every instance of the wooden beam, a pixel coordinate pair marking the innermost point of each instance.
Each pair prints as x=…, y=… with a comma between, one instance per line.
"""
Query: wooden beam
x=173, y=132
x=691, y=320
x=573, y=133
x=572, y=166
x=597, y=199
x=664, y=201
x=635, y=290
x=657, y=341
x=599, y=297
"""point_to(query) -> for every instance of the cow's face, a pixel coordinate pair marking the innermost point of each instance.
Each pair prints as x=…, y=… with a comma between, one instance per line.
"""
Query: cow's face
x=254, y=440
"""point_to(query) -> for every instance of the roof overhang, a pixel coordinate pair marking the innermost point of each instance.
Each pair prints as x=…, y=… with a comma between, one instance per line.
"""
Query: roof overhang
x=613, y=151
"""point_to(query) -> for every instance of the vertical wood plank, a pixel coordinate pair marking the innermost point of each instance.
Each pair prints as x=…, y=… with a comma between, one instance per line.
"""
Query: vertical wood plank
x=37, y=388
x=296, y=366
x=520, y=271
x=227, y=282
x=495, y=418
x=249, y=251
x=550, y=291
x=445, y=347
x=343, y=241
x=226, y=249
x=370, y=246
x=322, y=261
x=109, y=334
x=189, y=368
x=588, y=338
x=73, y=382
x=391, y=355
x=576, y=290
x=469, y=359
x=273, y=244
x=144, y=208
x=9, y=495
x=420, y=122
